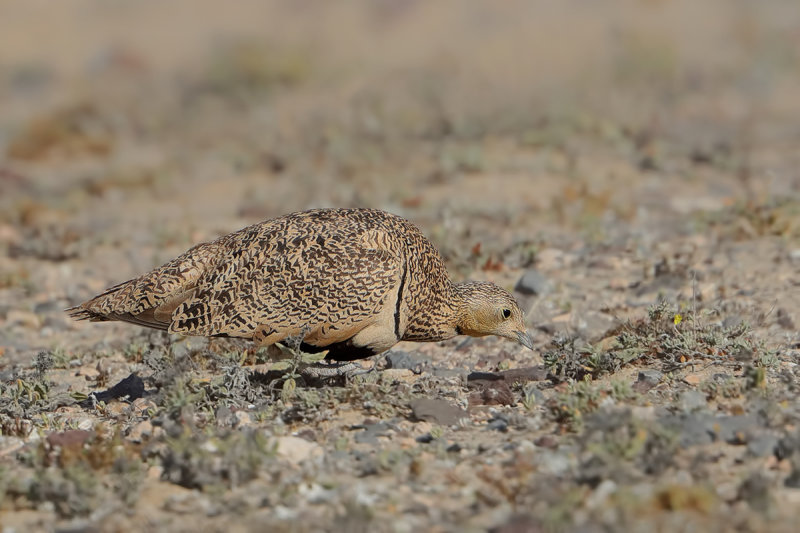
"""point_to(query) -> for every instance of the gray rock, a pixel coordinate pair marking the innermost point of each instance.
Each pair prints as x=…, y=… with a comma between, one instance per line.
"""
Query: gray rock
x=756, y=491
x=450, y=373
x=735, y=429
x=647, y=380
x=533, y=282
x=403, y=360
x=438, y=411
x=762, y=445
x=57, y=322
x=694, y=428
x=692, y=400
x=788, y=446
x=224, y=416
x=372, y=432
x=593, y=325
x=651, y=377
x=188, y=346
x=533, y=391
x=50, y=306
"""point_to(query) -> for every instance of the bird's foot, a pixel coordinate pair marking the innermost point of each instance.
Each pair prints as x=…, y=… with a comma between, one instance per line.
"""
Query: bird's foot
x=347, y=370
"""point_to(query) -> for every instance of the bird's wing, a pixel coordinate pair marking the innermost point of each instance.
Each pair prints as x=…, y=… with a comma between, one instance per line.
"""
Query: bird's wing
x=331, y=285
x=149, y=300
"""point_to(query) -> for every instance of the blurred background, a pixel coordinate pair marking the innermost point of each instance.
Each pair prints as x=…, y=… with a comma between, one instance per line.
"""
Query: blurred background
x=132, y=130
x=598, y=156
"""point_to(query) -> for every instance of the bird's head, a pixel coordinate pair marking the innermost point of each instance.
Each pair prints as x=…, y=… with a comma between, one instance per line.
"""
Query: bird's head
x=490, y=310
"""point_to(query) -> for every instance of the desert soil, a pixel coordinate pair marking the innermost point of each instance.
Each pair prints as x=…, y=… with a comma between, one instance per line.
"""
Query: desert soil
x=629, y=168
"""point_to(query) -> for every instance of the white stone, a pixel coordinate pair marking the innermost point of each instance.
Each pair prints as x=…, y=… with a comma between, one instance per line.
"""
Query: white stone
x=296, y=449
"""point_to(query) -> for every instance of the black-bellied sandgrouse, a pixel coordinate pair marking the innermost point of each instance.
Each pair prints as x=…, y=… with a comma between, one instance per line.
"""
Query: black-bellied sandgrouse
x=351, y=281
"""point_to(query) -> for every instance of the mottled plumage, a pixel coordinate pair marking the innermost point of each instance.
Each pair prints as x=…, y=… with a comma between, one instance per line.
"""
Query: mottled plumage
x=351, y=281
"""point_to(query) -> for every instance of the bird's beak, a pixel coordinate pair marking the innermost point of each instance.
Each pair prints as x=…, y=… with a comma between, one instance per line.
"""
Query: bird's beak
x=525, y=339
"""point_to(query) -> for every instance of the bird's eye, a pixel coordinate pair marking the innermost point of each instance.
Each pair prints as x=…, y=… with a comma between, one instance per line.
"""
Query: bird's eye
x=506, y=313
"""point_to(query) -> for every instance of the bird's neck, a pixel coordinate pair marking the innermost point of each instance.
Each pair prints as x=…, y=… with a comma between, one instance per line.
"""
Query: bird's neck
x=441, y=315
x=463, y=321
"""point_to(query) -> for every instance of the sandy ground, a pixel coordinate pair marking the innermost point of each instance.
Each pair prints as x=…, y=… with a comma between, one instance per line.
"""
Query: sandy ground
x=631, y=168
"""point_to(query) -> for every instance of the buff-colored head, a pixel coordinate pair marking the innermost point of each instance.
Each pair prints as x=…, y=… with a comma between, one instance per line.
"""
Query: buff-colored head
x=490, y=310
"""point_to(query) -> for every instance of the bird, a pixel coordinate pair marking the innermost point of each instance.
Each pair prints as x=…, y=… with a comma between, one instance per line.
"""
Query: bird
x=351, y=282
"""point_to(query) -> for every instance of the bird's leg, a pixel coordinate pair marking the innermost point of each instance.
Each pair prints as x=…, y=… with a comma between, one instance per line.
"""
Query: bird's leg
x=319, y=369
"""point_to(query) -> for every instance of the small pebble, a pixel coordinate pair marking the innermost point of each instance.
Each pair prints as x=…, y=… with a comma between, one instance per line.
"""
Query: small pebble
x=533, y=282
x=498, y=424
x=692, y=400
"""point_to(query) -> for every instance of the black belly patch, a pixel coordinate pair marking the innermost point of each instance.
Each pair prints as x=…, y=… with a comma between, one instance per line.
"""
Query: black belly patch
x=341, y=351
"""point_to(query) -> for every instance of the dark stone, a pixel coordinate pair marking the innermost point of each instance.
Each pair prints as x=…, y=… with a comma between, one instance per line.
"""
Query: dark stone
x=785, y=319
x=491, y=392
x=793, y=480
x=454, y=448
x=513, y=376
x=533, y=282
x=498, y=424
x=522, y=375
x=788, y=446
x=425, y=439
x=130, y=388
x=475, y=378
x=439, y=411
x=293, y=414
x=647, y=380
